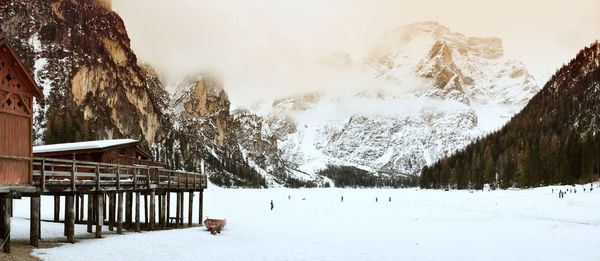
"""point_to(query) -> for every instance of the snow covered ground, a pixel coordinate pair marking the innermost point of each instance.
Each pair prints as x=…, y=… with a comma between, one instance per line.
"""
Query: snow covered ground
x=416, y=225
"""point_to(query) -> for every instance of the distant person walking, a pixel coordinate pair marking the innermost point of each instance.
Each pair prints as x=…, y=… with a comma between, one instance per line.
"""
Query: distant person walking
x=342, y=198
x=390, y=199
x=272, y=205
x=560, y=194
x=376, y=199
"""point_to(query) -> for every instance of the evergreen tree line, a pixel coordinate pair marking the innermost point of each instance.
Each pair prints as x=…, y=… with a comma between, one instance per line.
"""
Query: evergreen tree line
x=553, y=140
x=347, y=176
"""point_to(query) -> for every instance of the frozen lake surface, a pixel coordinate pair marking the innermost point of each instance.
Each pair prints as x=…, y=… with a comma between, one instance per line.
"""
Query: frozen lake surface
x=417, y=224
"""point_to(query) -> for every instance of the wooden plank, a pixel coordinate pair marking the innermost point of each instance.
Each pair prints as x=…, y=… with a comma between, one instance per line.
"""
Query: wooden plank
x=168, y=214
x=76, y=208
x=111, y=211
x=69, y=219
x=161, y=214
x=34, y=221
x=74, y=175
x=43, y=175
x=97, y=171
x=128, y=210
x=120, y=213
x=99, y=214
x=178, y=209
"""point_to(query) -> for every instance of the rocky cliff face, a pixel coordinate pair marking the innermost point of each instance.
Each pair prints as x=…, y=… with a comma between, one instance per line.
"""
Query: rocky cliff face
x=79, y=53
x=436, y=91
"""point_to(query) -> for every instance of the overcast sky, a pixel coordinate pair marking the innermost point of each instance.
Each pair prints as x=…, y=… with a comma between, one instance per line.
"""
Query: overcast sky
x=261, y=48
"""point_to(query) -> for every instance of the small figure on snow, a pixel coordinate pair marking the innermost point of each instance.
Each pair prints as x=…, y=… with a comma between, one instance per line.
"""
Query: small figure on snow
x=575, y=190
x=342, y=198
x=289, y=196
x=272, y=205
x=390, y=198
x=560, y=194
x=376, y=199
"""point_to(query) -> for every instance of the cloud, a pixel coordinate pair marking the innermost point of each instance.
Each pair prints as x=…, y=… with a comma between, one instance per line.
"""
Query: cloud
x=264, y=49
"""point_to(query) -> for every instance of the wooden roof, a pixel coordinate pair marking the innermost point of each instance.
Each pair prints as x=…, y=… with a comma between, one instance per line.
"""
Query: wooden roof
x=87, y=147
x=19, y=68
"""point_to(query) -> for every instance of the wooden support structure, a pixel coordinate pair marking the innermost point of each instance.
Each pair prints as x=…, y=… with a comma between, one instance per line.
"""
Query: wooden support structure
x=99, y=214
x=81, y=207
x=76, y=208
x=56, y=208
x=90, y=213
x=34, y=230
x=5, y=222
x=111, y=211
x=128, y=210
x=152, y=210
x=200, y=205
x=190, y=208
x=162, y=213
x=137, y=212
x=178, y=210
x=70, y=219
x=119, y=212
x=168, y=214
x=146, y=215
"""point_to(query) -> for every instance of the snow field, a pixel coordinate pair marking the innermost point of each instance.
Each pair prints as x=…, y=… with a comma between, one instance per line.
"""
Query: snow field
x=416, y=225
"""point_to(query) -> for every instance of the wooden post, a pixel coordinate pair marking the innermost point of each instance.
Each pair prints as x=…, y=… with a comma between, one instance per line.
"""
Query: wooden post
x=168, y=205
x=120, y=213
x=146, y=215
x=69, y=219
x=182, y=198
x=178, y=209
x=90, y=213
x=81, y=208
x=111, y=211
x=152, y=210
x=190, y=208
x=162, y=210
x=137, y=211
x=76, y=208
x=200, y=203
x=56, y=208
x=73, y=175
x=104, y=206
x=99, y=214
x=5, y=215
x=128, y=206
x=34, y=229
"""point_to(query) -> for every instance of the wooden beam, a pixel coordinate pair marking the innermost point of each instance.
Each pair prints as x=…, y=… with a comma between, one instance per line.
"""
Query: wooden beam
x=76, y=208
x=90, y=213
x=146, y=215
x=178, y=209
x=152, y=210
x=137, y=211
x=34, y=229
x=162, y=211
x=111, y=211
x=56, y=208
x=168, y=214
x=128, y=206
x=200, y=205
x=190, y=208
x=69, y=219
x=120, y=213
x=99, y=214
x=5, y=215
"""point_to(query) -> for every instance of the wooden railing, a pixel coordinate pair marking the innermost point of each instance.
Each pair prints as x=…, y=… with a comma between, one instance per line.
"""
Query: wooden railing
x=99, y=176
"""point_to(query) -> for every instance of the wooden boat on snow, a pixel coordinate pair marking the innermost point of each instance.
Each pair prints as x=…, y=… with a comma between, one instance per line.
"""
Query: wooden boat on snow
x=215, y=225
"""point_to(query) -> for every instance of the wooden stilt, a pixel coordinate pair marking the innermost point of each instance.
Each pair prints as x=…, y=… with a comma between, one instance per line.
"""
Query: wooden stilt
x=5, y=215
x=70, y=219
x=178, y=210
x=182, y=198
x=162, y=211
x=34, y=229
x=111, y=211
x=81, y=207
x=90, y=213
x=146, y=215
x=56, y=208
x=99, y=214
x=119, y=212
x=190, y=208
x=137, y=211
x=152, y=210
x=105, y=206
x=76, y=208
x=200, y=205
x=128, y=207
x=168, y=206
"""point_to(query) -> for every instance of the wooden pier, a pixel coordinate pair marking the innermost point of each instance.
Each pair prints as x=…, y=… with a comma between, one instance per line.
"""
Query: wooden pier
x=110, y=189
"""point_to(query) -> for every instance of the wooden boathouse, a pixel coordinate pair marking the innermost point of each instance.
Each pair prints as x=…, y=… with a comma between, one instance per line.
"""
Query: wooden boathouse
x=110, y=175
